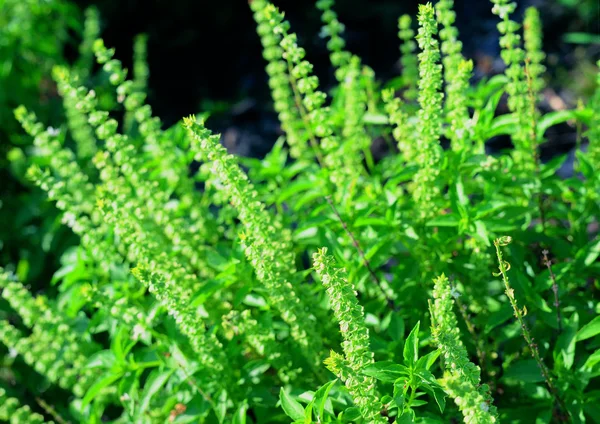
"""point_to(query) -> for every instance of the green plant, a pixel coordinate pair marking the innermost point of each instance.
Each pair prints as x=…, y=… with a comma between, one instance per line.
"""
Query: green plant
x=179, y=304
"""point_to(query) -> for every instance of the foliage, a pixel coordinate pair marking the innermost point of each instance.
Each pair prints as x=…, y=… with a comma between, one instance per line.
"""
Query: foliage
x=186, y=292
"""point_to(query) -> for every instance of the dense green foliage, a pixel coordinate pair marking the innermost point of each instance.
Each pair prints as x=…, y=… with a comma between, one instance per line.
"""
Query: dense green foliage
x=316, y=285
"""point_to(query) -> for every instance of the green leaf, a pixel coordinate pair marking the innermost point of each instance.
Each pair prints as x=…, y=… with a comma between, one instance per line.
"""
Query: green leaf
x=351, y=414
x=553, y=118
x=411, y=346
x=406, y=418
x=308, y=412
x=526, y=370
x=581, y=38
x=584, y=165
x=450, y=220
x=97, y=387
x=503, y=124
x=591, y=329
x=592, y=360
x=156, y=381
x=102, y=359
x=498, y=317
x=321, y=397
x=370, y=221
x=291, y=406
x=437, y=393
x=239, y=417
x=386, y=371
x=565, y=345
x=592, y=254
x=425, y=362
x=396, y=327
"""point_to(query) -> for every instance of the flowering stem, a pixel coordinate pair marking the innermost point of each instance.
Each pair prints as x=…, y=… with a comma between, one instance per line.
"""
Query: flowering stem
x=504, y=266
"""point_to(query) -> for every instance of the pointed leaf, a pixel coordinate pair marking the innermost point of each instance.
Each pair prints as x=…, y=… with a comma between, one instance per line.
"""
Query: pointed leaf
x=591, y=329
x=291, y=406
x=321, y=397
x=411, y=346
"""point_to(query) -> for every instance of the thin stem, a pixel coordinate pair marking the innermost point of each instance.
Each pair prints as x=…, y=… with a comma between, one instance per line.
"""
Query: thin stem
x=302, y=111
x=51, y=411
x=578, y=133
x=476, y=340
x=533, y=136
x=366, y=262
x=554, y=289
x=504, y=266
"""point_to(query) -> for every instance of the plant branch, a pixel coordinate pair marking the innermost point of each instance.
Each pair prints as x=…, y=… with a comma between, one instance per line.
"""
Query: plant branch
x=554, y=289
x=390, y=302
x=504, y=266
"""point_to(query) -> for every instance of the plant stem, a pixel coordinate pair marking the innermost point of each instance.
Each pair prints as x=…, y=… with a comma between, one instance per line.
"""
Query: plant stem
x=554, y=289
x=476, y=340
x=533, y=136
x=305, y=120
x=366, y=262
x=504, y=266
x=51, y=411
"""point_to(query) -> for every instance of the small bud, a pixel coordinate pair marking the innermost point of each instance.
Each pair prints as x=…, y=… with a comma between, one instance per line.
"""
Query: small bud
x=504, y=240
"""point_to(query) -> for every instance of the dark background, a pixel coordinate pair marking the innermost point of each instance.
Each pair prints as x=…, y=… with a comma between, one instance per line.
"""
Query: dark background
x=205, y=55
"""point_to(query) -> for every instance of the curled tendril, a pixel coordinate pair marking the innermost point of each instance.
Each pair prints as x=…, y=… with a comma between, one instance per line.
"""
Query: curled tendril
x=503, y=241
x=505, y=267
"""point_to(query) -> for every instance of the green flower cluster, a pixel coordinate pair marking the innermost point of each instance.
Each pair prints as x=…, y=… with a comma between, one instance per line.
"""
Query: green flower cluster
x=53, y=348
x=286, y=98
x=270, y=254
x=333, y=29
x=408, y=59
x=594, y=130
x=429, y=130
x=357, y=353
x=532, y=36
x=463, y=383
x=519, y=99
x=13, y=412
x=457, y=74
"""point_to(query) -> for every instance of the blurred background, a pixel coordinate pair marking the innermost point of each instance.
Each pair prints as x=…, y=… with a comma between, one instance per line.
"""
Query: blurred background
x=206, y=56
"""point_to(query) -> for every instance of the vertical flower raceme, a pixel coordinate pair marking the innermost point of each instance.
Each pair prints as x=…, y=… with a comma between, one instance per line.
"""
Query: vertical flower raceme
x=355, y=87
x=463, y=380
x=272, y=258
x=140, y=75
x=357, y=353
x=594, y=130
x=168, y=281
x=188, y=235
x=355, y=139
x=126, y=215
x=91, y=30
x=404, y=130
x=12, y=411
x=525, y=152
x=68, y=185
x=333, y=30
x=532, y=35
x=408, y=58
x=285, y=95
x=429, y=151
x=170, y=166
x=457, y=73
x=53, y=348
